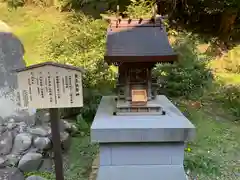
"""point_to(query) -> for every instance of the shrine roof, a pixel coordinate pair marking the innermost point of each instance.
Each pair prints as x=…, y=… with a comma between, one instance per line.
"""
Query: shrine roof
x=138, y=40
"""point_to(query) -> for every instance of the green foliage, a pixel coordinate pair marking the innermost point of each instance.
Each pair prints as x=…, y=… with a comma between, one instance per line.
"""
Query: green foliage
x=190, y=75
x=80, y=40
x=41, y=3
x=63, y=4
x=83, y=44
x=202, y=164
x=213, y=151
x=231, y=61
x=140, y=8
x=229, y=97
x=14, y=3
x=82, y=125
x=47, y=175
x=81, y=155
x=19, y=3
x=212, y=6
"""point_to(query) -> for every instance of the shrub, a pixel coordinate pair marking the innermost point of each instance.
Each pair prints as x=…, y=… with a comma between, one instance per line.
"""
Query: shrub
x=140, y=8
x=84, y=45
x=229, y=97
x=229, y=62
x=14, y=3
x=186, y=77
x=201, y=164
x=47, y=175
x=82, y=125
x=19, y=3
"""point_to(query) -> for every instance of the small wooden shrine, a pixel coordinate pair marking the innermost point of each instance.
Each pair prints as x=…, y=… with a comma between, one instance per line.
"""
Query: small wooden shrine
x=141, y=135
x=135, y=46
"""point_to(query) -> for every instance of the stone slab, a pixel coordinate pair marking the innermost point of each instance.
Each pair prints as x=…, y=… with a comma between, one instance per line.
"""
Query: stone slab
x=11, y=58
x=151, y=172
x=172, y=127
x=141, y=154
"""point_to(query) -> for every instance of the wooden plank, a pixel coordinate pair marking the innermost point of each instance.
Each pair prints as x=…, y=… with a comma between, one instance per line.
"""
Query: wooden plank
x=139, y=96
x=54, y=117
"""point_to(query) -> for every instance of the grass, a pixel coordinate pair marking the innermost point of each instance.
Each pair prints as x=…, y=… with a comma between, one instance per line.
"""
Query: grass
x=82, y=153
x=215, y=153
x=34, y=27
x=229, y=78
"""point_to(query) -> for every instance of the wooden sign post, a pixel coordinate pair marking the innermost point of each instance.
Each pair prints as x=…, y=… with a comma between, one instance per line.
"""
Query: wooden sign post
x=51, y=85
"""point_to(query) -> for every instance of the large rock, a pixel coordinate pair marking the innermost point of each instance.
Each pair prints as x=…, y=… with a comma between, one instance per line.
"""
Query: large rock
x=38, y=131
x=2, y=162
x=47, y=127
x=11, y=124
x=42, y=143
x=2, y=129
x=22, y=127
x=64, y=125
x=11, y=174
x=6, y=143
x=74, y=130
x=27, y=116
x=42, y=117
x=22, y=143
x=12, y=160
x=47, y=165
x=35, y=178
x=65, y=140
x=30, y=162
x=11, y=58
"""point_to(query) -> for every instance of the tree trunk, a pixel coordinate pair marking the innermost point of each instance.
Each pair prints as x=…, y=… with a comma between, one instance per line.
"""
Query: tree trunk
x=227, y=24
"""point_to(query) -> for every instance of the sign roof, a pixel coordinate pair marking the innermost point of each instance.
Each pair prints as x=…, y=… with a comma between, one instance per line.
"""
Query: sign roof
x=65, y=66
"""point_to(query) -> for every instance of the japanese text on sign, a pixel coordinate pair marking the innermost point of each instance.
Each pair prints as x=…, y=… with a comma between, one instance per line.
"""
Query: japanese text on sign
x=50, y=87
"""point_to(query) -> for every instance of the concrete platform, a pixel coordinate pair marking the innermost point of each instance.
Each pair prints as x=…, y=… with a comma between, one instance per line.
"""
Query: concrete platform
x=172, y=127
x=141, y=146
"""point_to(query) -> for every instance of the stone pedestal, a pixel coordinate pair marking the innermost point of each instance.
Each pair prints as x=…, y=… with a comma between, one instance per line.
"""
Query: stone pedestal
x=142, y=146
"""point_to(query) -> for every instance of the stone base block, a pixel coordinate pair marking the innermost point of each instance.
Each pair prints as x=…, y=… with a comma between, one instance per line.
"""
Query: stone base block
x=142, y=172
x=141, y=161
x=141, y=154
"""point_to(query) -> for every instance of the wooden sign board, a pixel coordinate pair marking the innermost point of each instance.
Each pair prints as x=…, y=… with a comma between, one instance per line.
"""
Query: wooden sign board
x=49, y=85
